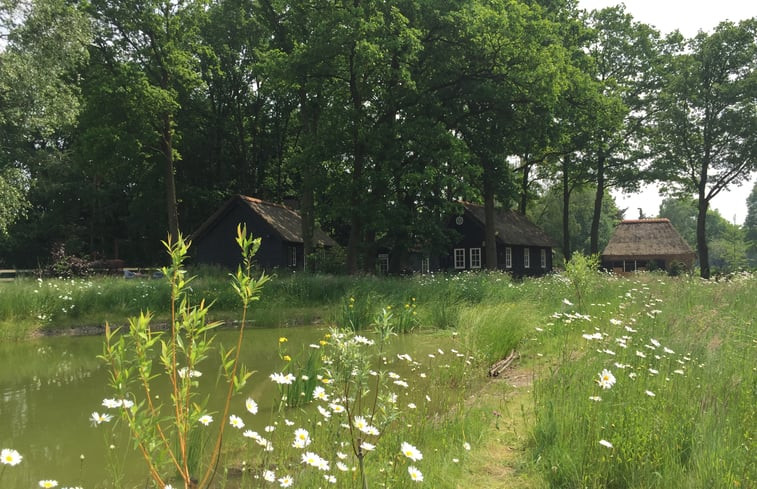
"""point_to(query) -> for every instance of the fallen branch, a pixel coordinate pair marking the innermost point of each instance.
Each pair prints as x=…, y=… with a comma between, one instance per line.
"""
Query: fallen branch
x=503, y=364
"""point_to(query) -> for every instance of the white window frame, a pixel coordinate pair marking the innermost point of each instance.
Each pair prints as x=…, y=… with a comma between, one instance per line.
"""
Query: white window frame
x=459, y=257
x=425, y=265
x=383, y=263
x=475, y=258
x=526, y=258
x=508, y=257
x=293, y=256
x=543, y=258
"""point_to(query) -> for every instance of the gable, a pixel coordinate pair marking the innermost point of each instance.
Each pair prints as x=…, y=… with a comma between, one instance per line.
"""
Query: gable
x=511, y=227
x=282, y=221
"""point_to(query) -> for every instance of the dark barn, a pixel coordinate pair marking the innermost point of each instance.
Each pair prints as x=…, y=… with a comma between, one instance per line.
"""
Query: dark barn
x=646, y=244
x=523, y=249
x=279, y=227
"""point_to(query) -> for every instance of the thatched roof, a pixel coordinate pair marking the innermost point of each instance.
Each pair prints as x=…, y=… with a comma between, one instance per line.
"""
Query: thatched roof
x=285, y=221
x=512, y=227
x=644, y=239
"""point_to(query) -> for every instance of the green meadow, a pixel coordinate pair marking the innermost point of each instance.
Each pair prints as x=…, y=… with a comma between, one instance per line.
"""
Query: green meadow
x=646, y=381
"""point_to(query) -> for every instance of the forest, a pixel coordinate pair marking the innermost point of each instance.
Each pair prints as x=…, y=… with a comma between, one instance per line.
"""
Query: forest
x=123, y=122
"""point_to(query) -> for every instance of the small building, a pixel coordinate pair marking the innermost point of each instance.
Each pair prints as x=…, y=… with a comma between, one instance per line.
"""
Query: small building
x=279, y=227
x=646, y=244
x=523, y=248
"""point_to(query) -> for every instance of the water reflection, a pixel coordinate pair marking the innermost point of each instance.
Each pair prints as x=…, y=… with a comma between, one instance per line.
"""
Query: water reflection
x=50, y=387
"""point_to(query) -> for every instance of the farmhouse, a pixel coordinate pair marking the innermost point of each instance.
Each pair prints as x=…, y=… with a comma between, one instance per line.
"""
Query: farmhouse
x=522, y=247
x=646, y=244
x=279, y=227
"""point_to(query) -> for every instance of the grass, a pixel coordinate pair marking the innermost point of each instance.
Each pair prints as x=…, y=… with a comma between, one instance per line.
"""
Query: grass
x=682, y=412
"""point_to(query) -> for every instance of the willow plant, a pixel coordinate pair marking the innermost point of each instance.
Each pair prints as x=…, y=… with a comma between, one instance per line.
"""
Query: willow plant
x=164, y=432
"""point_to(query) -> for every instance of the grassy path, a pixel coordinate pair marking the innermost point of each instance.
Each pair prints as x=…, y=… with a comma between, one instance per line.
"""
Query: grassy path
x=501, y=461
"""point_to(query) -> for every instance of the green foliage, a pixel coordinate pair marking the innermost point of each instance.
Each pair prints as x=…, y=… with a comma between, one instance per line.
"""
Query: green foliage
x=166, y=434
x=582, y=273
x=547, y=213
x=712, y=74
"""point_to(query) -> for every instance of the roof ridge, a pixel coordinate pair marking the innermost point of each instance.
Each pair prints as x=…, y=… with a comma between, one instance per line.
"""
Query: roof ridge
x=264, y=202
x=651, y=220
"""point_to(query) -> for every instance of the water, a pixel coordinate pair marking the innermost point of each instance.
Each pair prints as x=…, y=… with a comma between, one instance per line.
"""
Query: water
x=50, y=387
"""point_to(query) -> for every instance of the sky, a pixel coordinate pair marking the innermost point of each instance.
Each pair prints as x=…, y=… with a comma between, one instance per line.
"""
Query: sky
x=689, y=17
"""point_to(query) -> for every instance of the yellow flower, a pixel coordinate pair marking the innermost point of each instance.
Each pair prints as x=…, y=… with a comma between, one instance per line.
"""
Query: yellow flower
x=326, y=381
x=327, y=335
x=322, y=342
x=283, y=339
x=287, y=358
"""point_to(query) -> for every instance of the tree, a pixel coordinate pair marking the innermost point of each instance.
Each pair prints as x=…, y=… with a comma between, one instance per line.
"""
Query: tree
x=750, y=227
x=42, y=46
x=727, y=240
x=547, y=213
x=706, y=127
x=502, y=59
x=156, y=41
x=625, y=57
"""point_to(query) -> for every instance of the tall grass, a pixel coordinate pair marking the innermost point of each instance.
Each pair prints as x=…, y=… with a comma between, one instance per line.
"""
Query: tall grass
x=682, y=412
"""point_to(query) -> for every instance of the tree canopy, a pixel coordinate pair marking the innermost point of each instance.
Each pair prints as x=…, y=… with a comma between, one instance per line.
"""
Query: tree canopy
x=122, y=121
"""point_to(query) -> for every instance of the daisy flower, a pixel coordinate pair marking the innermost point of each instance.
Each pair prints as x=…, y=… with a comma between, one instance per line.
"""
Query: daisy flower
x=206, y=419
x=9, y=456
x=48, y=483
x=311, y=459
x=606, y=379
x=112, y=403
x=649, y=393
x=286, y=481
x=251, y=405
x=236, y=421
x=466, y=445
x=360, y=423
x=605, y=443
x=415, y=474
x=280, y=378
x=269, y=475
x=411, y=452
x=98, y=418
x=301, y=438
x=319, y=393
x=367, y=446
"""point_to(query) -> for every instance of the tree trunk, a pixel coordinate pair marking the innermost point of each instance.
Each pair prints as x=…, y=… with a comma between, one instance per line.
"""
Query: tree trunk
x=309, y=122
x=566, y=208
x=523, y=205
x=490, y=239
x=166, y=147
x=702, y=250
x=356, y=222
x=598, y=196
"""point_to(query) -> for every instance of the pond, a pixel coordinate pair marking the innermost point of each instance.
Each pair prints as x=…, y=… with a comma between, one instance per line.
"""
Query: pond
x=50, y=387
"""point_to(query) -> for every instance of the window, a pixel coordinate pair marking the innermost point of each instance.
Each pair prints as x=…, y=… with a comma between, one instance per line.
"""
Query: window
x=508, y=257
x=383, y=263
x=526, y=258
x=292, y=256
x=425, y=265
x=543, y=258
x=459, y=258
x=475, y=257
